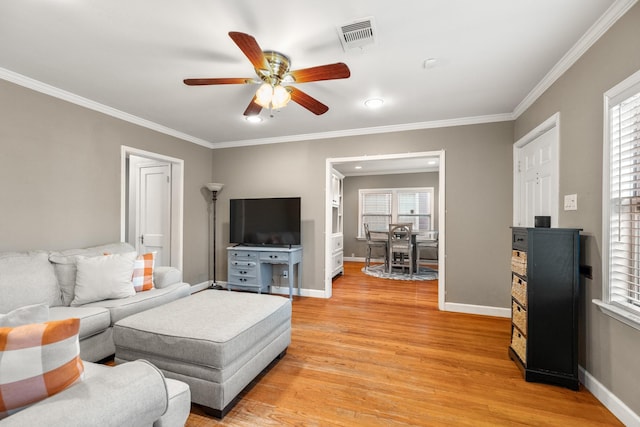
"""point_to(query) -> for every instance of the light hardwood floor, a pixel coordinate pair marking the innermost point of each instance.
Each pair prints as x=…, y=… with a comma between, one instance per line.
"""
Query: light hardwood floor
x=379, y=353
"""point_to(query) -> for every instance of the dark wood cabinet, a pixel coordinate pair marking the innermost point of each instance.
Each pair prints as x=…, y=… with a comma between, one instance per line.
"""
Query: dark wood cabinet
x=544, y=302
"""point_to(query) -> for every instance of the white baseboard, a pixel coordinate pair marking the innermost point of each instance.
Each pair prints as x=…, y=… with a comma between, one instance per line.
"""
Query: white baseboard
x=360, y=259
x=284, y=290
x=477, y=309
x=608, y=399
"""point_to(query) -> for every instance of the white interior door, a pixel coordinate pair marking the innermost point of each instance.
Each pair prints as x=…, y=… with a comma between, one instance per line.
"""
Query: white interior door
x=155, y=211
x=538, y=177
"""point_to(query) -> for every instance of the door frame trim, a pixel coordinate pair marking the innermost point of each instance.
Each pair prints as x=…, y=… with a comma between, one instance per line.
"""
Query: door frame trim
x=177, y=199
x=328, y=285
x=547, y=125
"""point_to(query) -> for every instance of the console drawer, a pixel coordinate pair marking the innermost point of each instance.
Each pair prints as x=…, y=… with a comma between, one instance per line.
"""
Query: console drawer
x=242, y=255
x=274, y=257
x=520, y=239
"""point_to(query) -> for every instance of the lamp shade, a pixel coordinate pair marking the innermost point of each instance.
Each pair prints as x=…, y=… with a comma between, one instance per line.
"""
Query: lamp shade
x=214, y=186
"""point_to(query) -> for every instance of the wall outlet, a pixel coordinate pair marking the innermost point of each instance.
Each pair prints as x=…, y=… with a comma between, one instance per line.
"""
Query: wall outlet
x=285, y=274
x=571, y=202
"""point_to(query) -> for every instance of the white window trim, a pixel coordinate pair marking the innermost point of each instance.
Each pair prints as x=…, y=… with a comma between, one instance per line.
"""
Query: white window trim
x=618, y=93
x=394, y=205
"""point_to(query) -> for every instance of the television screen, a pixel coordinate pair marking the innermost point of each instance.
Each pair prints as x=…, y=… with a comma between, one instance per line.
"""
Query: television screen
x=268, y=221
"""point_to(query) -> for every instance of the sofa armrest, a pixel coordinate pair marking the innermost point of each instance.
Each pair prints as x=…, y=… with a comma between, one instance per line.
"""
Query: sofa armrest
x=164, y=276
x=131, y=394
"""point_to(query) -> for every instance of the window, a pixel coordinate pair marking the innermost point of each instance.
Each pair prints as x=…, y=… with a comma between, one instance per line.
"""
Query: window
x=621, y=203
x=383, y=206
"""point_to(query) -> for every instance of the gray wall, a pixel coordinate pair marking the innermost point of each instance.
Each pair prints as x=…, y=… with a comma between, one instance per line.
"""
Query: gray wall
x=60, y=176
x=350, y=199
x=478, y=197
x=609, y=349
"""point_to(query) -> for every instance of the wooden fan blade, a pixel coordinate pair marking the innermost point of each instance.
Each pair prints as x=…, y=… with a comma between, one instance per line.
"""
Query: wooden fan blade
x=222, y=81
x=308, y=102
x=321, y=72
x=249, y=46
x=253, y=109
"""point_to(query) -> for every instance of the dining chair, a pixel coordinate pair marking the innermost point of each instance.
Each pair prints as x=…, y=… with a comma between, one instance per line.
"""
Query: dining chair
x=400, y=247
x=375, y=239
x=427, y=246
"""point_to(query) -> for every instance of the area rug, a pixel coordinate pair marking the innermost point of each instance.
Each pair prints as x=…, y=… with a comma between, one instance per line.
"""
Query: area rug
x=425, y=273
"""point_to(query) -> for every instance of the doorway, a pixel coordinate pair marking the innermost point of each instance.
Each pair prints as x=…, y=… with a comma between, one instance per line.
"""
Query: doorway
x=425, y=156
x=151, y=204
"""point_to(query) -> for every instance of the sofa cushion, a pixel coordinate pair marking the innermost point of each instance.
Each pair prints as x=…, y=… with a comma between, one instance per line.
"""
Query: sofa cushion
x=103, y=277
x=37, y=361
x=143, y=272
x=64, y=264
x=27, y=279
x=36, y=313
x=164, y=276
x=131, y=394
x=93, y=320
x=121, y=308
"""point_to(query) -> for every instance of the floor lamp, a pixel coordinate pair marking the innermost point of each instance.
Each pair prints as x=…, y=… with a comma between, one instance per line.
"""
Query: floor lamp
x=215, y=188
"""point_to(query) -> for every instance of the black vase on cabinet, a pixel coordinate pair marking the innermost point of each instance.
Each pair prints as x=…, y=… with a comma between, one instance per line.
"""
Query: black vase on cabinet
x=544, y=302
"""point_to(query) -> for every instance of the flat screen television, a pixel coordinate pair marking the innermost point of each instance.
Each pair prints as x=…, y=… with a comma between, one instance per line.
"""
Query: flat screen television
x=267, y=221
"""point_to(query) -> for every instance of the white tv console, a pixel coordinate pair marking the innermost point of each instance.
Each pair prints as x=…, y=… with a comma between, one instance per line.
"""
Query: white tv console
x=251, y=267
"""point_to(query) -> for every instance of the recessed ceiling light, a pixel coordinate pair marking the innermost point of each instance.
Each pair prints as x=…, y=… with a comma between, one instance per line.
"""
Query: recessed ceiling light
x=358, y=167
x=253, y=119
x=432, y=162
x=374, y=102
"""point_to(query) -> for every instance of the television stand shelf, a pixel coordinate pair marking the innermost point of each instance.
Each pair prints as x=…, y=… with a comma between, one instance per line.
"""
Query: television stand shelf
x=251, y=267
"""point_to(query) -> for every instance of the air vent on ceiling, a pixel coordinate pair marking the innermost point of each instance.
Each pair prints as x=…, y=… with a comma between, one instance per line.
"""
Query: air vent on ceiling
x=357, y=34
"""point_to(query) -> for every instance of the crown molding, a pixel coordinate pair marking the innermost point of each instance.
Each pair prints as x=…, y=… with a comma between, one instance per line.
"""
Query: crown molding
x=606, y=21
x=369, y=131
x=38, y=86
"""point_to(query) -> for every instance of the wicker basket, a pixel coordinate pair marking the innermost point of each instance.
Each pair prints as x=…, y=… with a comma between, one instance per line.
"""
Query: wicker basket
x=519, y=262
x=519, y=345
x=519, y=316
x=519, y=290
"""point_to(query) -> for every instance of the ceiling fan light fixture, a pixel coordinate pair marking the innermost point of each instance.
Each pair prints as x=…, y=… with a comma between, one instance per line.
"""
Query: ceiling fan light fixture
x=264, y=95
x=273, y=97
x=281, y=97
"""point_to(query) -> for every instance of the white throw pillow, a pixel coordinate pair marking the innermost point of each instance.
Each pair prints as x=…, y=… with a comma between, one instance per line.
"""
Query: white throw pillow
x=36, y=313
x=103, y=277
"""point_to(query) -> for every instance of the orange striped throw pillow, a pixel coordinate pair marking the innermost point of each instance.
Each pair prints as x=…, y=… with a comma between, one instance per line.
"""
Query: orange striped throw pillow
x=37, y=361
x=143, y=272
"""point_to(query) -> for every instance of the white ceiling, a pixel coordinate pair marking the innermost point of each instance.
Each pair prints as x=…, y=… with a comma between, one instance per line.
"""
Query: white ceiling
x=128, y=58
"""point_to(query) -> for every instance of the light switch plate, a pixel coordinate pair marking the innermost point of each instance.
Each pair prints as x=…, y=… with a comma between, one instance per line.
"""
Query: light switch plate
x=571, y=202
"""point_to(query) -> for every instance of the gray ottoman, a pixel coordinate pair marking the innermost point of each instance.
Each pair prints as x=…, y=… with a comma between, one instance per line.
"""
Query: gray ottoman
x=215, y=341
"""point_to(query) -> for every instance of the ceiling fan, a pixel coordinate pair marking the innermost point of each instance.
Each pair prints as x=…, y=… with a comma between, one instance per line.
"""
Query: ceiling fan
x=272, y=69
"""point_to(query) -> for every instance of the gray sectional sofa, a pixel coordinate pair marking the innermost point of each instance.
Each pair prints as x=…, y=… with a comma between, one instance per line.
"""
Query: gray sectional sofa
x=132, y=394
x=38, y=277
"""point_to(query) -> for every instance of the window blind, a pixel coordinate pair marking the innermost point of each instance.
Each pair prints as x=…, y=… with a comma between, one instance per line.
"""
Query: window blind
x=624, y=199
x=415, y=207
x=376, y=210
